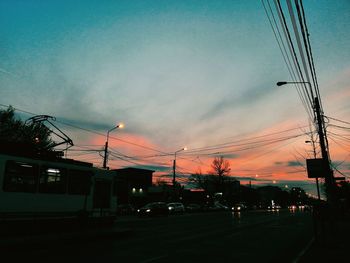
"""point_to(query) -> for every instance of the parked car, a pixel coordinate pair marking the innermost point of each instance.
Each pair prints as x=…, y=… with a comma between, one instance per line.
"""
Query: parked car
x=153, y=209
x=176, y=208
x=125, y=209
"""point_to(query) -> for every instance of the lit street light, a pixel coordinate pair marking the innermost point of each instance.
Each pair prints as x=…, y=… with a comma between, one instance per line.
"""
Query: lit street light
x=105, y=159
x=174, y=165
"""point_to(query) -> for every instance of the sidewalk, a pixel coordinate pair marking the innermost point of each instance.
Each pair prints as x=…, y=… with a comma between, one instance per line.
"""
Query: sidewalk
x=331, y=242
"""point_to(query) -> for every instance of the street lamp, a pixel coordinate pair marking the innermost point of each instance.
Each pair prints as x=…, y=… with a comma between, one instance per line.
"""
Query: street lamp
x=174, y=165
x=105, y=158
x=329, y=179
x=281, y=83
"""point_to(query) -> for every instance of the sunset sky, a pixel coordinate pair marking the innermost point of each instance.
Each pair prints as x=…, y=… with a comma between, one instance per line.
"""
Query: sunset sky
x=200, y=74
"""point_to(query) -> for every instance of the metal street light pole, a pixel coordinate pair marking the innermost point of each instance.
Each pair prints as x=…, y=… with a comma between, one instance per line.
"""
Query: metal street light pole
x=174, y=165
x=329, y=179
x=105, y=158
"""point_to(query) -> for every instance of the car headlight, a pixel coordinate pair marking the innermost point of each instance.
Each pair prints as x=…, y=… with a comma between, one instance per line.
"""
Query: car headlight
x=138, y=210
x=148, y=210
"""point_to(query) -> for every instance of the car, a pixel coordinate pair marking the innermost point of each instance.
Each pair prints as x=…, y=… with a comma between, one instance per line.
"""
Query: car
x=239, y=207
x=153, y=209
x=176, y=208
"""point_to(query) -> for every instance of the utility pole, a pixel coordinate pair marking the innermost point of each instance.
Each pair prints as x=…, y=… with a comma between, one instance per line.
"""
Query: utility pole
x=174, y=170
x=174, y=173
x=329, y=179
x=105, y=157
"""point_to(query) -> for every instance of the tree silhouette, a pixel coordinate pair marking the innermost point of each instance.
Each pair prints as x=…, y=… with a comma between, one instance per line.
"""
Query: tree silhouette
x=220, y=167
x=14, y=131
x=220, y=173
x=216, y=178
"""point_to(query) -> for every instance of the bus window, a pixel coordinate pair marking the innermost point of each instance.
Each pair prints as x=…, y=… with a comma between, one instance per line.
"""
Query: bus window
x=52, y=180
x=79, y=182
x=20, y=177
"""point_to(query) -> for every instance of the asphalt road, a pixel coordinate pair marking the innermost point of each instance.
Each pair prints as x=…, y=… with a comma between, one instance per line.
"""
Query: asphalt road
x=252, y=236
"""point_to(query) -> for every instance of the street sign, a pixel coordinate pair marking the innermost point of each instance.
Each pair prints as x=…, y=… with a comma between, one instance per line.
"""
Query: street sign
x=316, y=168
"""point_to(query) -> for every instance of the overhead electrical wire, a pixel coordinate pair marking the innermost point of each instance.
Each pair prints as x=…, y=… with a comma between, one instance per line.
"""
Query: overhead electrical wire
x=345, y=122
x=91, y=131
x=299, y=45
x=246, y=146
x=293, y=76
x=285, y=55
x=311, y=57
x=294, y=58
x=294, y=55
x=245, y=139
x=269, y=151
x=334, y=139
x=302, y=23
x=279, y=40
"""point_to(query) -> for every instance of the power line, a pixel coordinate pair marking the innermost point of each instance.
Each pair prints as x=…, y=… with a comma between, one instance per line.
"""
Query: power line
x=311, y=57
x=91, y=131
x=224, y=145
x=337, y=120
x=291, y=70
x=265, y=153
x=297, y=37
x=294, y=57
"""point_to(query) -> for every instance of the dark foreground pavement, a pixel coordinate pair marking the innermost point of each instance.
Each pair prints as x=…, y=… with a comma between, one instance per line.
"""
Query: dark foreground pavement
x=58, y=233
x=258, y=236
x=331, y=241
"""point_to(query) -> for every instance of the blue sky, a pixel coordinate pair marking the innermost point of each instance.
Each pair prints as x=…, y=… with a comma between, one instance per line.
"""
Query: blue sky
x=194, y=73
